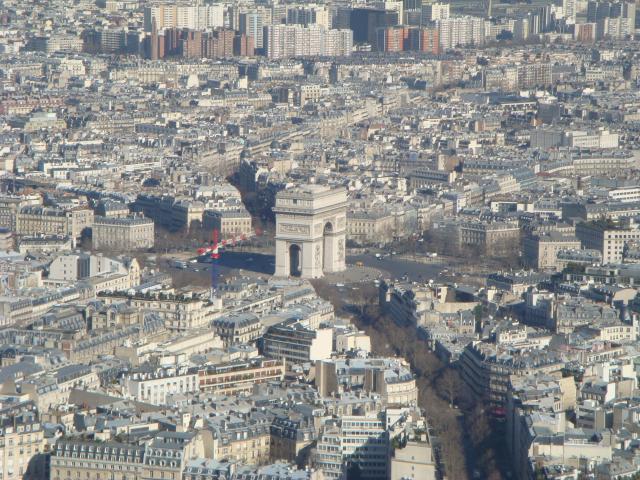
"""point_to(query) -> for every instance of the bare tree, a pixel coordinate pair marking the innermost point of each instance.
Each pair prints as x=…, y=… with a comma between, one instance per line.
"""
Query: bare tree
x=450, y=385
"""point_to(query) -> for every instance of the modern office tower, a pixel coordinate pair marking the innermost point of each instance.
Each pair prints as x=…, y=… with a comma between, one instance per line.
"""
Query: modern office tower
x=435, y=11
x=393, y=6
x=251, y=24
x=429, y=40
x=243, y=46
x=397, y=39
x=366, y=21
x=392, y=39
x=297, y=15
x=412, y=4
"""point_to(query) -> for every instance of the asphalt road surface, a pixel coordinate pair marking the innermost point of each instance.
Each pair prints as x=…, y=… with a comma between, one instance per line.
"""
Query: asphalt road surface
x=392, y=266
x=396, y=268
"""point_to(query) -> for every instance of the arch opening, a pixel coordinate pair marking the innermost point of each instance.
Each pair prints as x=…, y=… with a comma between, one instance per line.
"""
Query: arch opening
x=295, y=261
x=327, y=247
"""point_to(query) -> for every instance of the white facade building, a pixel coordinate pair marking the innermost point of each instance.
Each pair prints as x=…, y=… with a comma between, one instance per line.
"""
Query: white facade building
x=193, y=17
x=287, y=41
x=154, y=387
x=456, y=31
x=432, y=12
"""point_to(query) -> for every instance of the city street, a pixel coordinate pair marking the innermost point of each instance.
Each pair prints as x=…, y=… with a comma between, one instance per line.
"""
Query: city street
x=393, y=266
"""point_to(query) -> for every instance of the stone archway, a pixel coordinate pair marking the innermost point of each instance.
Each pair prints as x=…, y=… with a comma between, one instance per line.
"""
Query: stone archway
x=313, y=218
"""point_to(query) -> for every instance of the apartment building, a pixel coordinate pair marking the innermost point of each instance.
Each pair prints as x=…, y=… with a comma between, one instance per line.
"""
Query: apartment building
x=21, y=443
x=532, y=75
x=365, y=227
x=455, y=31
x=285, y=41
x=588, y=140
x=246, y=439
x=239, y=377
x=237, y=328
x=155, y=386
x=10, y=205
x=37, y=220
x=54, y=388
x=194, y=17
x=435, y=11
x=359, y=440
x=76, y=458
x=179, y=312
x=229, y=223
x=85, y=350
x=123, y=234
x=541, y=251
x=291, y=437
x=425, y=177
x=171, y=213
x=164, y=457
x=488, y=372
x=296, y=343
x=400, y=38
x=72, y=267
x=252, y=25
x=305, y=15
x=487, y=235
x=607, y=237
x=390, y=378
x=624, y=194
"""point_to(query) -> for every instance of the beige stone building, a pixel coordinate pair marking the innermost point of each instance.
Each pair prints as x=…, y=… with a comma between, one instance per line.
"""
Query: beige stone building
x=162, y=458
x=389, y=378
x=108, y=317
x=186, y=212
x=44, y=244
x=54, y=389
x=169, y=212
x=238, y=328
x=165, y=457
x=291, y=438
x=102, y=273
x=76, y=458
x=608, y=237
x=249, y=442
x=370, y=227
x=541, y=251
x=36, y=220
x=21, y=444
x=230, y=223
x=125, y=234
x=414, y=461
x=11, y=204
x=180, y=312
x=492, y=236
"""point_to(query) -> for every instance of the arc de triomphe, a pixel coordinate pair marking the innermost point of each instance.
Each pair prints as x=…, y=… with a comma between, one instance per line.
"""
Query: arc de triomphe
x=311, y=222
